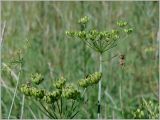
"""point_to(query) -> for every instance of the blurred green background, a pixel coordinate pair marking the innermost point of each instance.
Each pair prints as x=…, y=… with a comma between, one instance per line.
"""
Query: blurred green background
x=53, y=54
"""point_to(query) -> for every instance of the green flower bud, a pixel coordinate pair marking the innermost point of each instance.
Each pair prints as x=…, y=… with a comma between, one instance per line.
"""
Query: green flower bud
x=55, y=95
x=47, y=99
x=37, y=78
x=51, y=97
x=90, y=80
x=37, y=93
x=94, y=78
x=115, y=37
x=115, y=32
x=83, y=20
x=138, y=110
x=82, y=34
x=121, y=23
x=128, y=30
x=70, y=33
x=83, y=83
x=70, y=92
x=142, y=113
x=25, y=89
x=92, y=35
x=59, y=84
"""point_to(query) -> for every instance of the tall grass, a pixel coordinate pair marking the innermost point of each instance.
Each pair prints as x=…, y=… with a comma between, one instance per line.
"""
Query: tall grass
x=53, y=54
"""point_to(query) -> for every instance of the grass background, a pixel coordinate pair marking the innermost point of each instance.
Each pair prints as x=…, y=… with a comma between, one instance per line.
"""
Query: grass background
x=54, y=54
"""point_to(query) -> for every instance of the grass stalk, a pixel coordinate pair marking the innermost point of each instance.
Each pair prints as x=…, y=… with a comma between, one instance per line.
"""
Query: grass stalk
x=22, y=108
x=15, y=92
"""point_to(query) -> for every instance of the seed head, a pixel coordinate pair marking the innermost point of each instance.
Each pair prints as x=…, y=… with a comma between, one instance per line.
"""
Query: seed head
x=83, y=20
x=70, y=33
x=37, y=78
x=70, y=92
x=59, y=84
x=37, y=93
x=122, y=23
x=128, y=31
x=51, y=97
x=90, y=80
x=25, y=89
x=81, y=34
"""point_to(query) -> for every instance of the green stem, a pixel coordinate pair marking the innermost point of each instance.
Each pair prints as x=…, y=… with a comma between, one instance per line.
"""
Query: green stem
x=47, y=110
x=61, y=107
x=15, y=92
x=73, y=103
x=58, y=108
x=53, y=107
x=99, y=86
x=22, y=107
x=84, y=52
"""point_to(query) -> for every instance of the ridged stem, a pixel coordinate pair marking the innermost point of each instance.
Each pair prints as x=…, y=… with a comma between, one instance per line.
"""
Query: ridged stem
x=99, y=87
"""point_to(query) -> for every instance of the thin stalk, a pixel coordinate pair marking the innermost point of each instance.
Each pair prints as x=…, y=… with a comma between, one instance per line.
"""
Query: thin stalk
x=121, y=91
x=73, y=103
x=83, y=92
x=58, y=108
x=22, y=106
x=99, y=86
x=74, y=115
x=61, y=107
x=50, y=114
x=34, y=116
x=120, y=97
x=54, y=111
x=15, y=92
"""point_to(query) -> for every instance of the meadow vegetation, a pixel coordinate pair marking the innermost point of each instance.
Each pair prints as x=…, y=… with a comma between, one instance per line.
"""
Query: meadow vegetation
x=35, y=42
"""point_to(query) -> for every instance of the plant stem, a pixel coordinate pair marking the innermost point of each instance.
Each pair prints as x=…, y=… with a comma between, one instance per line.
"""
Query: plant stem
x=61, y=108
x=22, y=106
x=50, y=114
x=99, y=86
x=84, y=58
x=15, y=92
x=58, y=108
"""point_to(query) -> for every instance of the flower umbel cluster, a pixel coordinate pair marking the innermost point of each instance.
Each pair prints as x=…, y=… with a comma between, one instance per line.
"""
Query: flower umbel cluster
x=101, y=41
x=68, y=91
x=90, y=80
x=83, y=20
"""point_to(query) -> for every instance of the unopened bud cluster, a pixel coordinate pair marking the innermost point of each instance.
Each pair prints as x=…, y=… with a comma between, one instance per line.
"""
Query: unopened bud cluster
x=83, y=20
x=90, y=80
x=70, y=92
x=51, y=97
x=31, y=91
x=128, y=31
x=37, y=78
x=59, y=84
x=48, y=97
x=121, y=23
x=100, y=41
x=94, y=35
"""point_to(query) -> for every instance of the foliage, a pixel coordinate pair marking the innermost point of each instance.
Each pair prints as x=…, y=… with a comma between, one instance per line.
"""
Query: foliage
x=145, y=109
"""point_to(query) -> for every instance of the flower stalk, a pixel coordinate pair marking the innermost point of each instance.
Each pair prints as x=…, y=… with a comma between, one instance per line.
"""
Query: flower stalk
x=99, y=86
